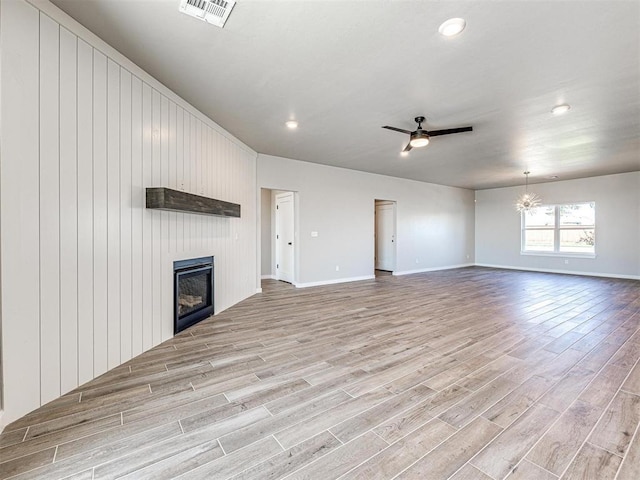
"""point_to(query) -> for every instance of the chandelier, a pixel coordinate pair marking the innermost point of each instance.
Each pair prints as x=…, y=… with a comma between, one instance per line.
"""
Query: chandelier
x=527, y=201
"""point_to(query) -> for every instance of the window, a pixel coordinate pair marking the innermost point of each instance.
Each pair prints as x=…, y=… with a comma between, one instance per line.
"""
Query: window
x=560, y=229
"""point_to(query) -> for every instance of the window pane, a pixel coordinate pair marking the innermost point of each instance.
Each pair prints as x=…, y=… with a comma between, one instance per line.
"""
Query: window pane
x=578, y=214
x=577, y=241
x=538, y=240
x=540, y=217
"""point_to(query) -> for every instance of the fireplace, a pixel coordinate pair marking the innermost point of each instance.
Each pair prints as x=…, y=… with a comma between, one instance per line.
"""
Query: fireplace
x=192, y=292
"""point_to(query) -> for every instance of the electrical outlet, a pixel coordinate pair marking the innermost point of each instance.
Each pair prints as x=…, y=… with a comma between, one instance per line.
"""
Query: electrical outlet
x=417, y=260
x=468, y=256
x=566, y=262
x=337, y=268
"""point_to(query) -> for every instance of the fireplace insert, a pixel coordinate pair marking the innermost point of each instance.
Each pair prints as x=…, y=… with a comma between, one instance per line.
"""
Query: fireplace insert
x=193, y=292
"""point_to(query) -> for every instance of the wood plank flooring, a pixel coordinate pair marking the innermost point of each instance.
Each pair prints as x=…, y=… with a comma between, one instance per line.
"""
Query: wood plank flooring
x=472, y=373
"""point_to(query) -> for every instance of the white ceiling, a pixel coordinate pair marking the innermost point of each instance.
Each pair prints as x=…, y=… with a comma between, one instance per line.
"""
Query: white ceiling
x=344, y=68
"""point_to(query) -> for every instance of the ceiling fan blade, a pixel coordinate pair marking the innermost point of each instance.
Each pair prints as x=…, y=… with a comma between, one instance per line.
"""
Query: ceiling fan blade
x=398, y=129
x=447, y=131
x=407, y=148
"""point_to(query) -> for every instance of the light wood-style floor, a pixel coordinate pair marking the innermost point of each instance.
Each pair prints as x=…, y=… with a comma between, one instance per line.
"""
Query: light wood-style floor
x=464, y=374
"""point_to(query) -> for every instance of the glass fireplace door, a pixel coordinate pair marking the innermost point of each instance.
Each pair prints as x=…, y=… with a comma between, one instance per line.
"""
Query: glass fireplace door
x=193, y=285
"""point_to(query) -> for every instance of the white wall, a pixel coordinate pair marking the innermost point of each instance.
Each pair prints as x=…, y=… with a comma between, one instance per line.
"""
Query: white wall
x=86, y=270
x=617, y=199
x=435, y=224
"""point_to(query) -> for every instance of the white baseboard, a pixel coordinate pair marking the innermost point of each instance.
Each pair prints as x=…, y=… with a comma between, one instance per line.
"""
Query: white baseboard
x=433, y=269
x=564, y=272
x=450, y=267
x=331, y=282
x=268, y=277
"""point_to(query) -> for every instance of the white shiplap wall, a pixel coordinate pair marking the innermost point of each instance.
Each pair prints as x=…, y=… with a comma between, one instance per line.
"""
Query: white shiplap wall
x=86, y=270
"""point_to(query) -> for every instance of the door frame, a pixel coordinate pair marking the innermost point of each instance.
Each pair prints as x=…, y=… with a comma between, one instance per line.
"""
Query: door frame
x=377, y=202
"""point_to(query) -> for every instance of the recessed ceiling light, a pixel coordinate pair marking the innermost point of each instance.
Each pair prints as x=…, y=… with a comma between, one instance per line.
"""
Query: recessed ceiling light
x=553, y=177
x=560, y=109
x=452, y=27
x=292, y=124
x=404, y=153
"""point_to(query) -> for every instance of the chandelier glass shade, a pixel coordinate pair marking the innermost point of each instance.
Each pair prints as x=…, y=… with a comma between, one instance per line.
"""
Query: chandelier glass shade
x=527, y=201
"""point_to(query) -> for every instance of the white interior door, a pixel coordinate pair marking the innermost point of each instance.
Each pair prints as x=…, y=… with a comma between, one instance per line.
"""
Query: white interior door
x=385, y=236
x=284, y=237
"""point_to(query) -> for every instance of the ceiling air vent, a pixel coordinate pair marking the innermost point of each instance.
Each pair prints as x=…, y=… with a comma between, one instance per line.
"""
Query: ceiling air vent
x=215, y=12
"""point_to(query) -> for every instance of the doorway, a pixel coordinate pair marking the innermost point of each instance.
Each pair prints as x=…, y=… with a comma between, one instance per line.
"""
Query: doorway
x=385, y=235
x=284, y=241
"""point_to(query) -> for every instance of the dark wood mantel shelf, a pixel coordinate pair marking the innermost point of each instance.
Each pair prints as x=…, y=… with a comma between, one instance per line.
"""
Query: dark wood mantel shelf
x=162, y=198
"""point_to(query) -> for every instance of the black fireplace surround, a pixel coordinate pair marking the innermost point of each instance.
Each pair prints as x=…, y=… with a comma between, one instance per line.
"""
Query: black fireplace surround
x=192, y=292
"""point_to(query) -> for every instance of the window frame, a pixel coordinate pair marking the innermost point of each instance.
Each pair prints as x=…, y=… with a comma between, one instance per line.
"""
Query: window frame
x=557, y=229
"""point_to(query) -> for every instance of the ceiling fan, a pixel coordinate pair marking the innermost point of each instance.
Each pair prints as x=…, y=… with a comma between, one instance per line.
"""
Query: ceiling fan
x=420, y=138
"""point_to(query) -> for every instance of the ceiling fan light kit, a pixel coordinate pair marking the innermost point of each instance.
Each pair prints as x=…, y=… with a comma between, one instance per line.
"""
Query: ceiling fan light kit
x=527, y=201
x=419, y=140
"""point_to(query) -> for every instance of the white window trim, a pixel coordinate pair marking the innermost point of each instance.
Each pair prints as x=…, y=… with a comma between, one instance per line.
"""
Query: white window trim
x=556, y=235
x=542, y=253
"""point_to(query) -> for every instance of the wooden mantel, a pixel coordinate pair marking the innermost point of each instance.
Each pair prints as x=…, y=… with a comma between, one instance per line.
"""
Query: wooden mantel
x=162, y=198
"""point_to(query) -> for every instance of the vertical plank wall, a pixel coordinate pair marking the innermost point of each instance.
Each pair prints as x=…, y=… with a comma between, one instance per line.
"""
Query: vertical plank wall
x=86, y=270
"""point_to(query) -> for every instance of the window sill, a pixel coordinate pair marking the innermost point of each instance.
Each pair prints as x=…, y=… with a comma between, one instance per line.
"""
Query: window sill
x=559, y=254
